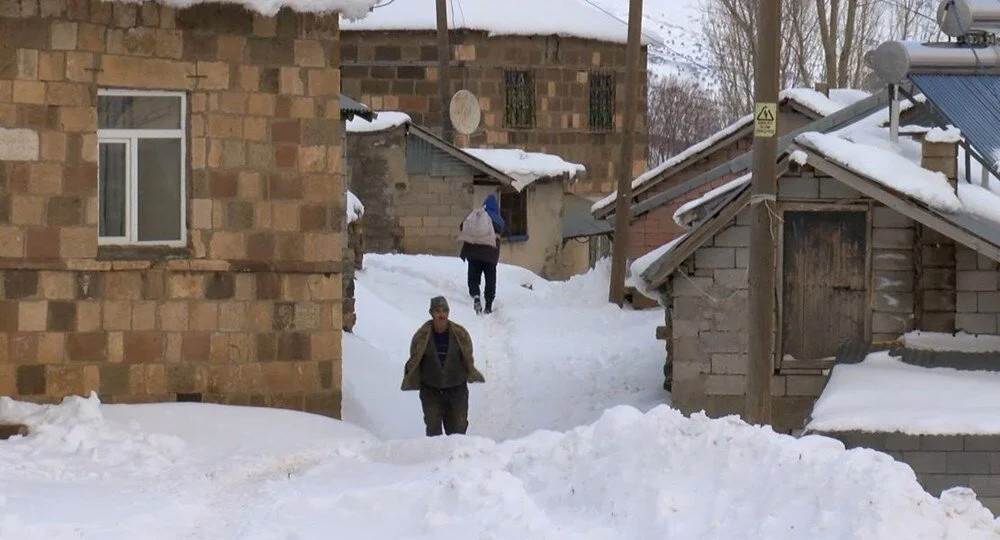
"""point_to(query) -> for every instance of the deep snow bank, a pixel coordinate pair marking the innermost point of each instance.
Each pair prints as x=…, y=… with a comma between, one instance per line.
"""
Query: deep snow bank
x=628, y=475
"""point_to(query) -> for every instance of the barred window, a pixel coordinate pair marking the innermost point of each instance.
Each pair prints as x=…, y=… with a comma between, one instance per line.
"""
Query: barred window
x=602, y=101
x=519, y=99
x=514, y=211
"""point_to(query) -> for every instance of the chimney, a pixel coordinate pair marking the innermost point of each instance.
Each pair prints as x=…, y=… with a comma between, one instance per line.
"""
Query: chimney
x=823, y=88
x=939, y=152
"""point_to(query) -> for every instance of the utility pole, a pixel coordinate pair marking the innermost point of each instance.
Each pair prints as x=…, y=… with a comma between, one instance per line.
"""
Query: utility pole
x=762, y=300
x=444, y=81
x=619, y=252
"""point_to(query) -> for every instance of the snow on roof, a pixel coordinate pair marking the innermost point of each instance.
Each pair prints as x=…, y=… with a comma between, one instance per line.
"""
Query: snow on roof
x=961, y=342
x=640, y=265
x=887, y=168
x=384, y=120
x=822, y=104
x=511, y=17
x=938, y=135
x=884, y=394
x=684, y=221
x=354, y=207
x=526, y=167
x=351, y=9
x=808, y=98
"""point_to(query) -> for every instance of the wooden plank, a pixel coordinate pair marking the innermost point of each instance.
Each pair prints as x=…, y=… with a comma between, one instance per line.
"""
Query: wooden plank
x=825, y=285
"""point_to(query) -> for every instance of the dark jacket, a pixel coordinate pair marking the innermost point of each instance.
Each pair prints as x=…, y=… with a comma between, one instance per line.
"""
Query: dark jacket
x=418, y=347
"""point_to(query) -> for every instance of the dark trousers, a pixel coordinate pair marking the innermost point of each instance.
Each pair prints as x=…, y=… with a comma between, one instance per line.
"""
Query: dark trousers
x=476, y=271
x=447, y=406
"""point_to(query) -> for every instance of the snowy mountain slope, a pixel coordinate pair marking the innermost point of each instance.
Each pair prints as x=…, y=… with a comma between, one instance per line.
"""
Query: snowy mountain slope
x=675, y=25
x=555, y=354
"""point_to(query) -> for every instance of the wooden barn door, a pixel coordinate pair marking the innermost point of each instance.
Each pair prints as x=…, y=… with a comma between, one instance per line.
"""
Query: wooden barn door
x=824, y=292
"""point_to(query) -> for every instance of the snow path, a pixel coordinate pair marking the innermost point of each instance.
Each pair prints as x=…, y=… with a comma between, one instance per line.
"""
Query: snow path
x=555, y=354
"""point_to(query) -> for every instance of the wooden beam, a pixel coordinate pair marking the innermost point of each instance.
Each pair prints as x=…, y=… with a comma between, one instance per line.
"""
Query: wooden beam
x=9, y=430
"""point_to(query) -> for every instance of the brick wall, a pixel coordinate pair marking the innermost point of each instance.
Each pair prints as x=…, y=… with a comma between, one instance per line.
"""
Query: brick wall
x=250, y=310
x=940, y=461
x=398, y=71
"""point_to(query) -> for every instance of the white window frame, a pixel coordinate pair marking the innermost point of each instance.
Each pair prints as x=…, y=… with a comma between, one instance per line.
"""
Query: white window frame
x=130, y=137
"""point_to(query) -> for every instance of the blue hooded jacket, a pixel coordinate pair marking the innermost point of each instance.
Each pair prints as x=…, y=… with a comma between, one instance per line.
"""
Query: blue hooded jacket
x=492, y=207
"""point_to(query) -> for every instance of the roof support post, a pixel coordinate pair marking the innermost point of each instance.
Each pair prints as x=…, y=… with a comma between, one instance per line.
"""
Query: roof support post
x=619, y=247
x=762, y=305
x=894, y=112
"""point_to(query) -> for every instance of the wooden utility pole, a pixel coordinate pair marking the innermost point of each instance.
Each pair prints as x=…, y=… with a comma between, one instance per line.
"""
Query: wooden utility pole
x=444, y=81
x=619, y=252
x=764, y=216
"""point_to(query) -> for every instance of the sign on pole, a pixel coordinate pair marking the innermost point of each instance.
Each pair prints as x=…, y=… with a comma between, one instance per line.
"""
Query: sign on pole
x=765, y=119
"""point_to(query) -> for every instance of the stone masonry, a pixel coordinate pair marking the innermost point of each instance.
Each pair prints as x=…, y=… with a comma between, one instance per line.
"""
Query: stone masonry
x=940, y=461
x=398, y=71
x=405, y=213
x=250, y=310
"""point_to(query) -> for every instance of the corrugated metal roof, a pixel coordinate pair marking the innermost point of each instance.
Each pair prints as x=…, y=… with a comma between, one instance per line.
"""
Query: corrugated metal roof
x=969, y=102
x=578, y=221
x=349, y=108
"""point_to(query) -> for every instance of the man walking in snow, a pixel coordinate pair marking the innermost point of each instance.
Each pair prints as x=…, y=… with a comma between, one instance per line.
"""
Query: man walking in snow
x=440, y=367
x=481, y=248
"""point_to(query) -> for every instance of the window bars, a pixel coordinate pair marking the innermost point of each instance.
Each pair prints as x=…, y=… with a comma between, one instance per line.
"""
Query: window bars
x=602, y=101
x=519, y=99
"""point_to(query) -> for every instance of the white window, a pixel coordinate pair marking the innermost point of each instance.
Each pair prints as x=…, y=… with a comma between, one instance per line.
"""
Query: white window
x=141, y=185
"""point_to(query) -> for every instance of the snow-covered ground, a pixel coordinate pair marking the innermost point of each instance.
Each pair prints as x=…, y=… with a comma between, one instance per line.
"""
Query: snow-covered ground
x=555, y=356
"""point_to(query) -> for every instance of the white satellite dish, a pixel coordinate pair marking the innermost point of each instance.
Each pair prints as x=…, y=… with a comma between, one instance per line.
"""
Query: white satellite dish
x=464, y=112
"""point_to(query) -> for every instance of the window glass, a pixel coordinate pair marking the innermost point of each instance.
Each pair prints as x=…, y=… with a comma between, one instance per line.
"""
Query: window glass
x=138, y=112
x=113, y=171
x=159, y=189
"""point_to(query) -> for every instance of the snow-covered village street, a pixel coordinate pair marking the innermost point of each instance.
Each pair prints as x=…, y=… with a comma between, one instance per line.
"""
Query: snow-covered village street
x=500, y=269
x=201, y=471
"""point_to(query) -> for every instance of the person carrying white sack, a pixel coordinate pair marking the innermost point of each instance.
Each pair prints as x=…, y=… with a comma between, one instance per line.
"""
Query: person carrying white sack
x=480, y=236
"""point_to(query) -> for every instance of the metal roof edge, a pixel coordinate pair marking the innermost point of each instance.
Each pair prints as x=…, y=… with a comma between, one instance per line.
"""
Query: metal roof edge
x=458, y=153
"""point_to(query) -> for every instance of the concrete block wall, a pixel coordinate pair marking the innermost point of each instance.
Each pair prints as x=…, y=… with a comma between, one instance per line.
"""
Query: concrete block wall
x=398, y=71
x=893, y=263
x=940, y=461
x=430, y=212
x=707, y=323
x=250, y=310
x=978, y=292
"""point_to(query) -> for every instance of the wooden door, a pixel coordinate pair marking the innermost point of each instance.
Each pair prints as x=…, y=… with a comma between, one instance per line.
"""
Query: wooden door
x=824, y=282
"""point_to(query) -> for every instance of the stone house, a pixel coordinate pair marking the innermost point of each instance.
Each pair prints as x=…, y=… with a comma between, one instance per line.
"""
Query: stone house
x=707, y=164
x=549, y=76
x=417, y=189
x=172, y=202
x=870, y=245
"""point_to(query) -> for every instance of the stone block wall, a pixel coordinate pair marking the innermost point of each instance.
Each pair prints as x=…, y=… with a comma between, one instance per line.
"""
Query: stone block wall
x=430, y=210
x=940, y=461
x=354, y=252
x=978, y=296
x=249, y=310
x=398, y=71
x=707, y=320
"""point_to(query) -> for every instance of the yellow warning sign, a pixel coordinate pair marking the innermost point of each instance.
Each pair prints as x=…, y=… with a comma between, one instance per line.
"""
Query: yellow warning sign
x=765, y=119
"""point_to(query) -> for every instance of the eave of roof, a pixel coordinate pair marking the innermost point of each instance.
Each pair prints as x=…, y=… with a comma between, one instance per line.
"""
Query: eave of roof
x=452, y=150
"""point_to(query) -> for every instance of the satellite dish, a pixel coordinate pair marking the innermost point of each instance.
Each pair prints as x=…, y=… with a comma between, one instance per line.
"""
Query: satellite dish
x=464, y=112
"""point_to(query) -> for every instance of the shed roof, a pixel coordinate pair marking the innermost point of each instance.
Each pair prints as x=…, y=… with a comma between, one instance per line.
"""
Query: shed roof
x=350, y=107
x=578, y=222
x=810, y=102
x=862, y=157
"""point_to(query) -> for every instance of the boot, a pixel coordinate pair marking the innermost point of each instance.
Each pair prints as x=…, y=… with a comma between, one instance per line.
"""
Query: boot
x=477, y=305
x=489, y=306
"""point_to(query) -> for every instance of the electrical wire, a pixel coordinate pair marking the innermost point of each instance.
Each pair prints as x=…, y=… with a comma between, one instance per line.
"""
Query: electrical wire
x=652, y=38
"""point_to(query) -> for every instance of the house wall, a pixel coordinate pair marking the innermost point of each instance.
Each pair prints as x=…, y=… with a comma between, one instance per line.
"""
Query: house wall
x=404, y=213
x=542, y=252
x=250, y=310
x=978, y=296
x=398, y=71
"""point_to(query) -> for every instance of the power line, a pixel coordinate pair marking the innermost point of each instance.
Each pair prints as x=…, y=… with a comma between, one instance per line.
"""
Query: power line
x=615, y=17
